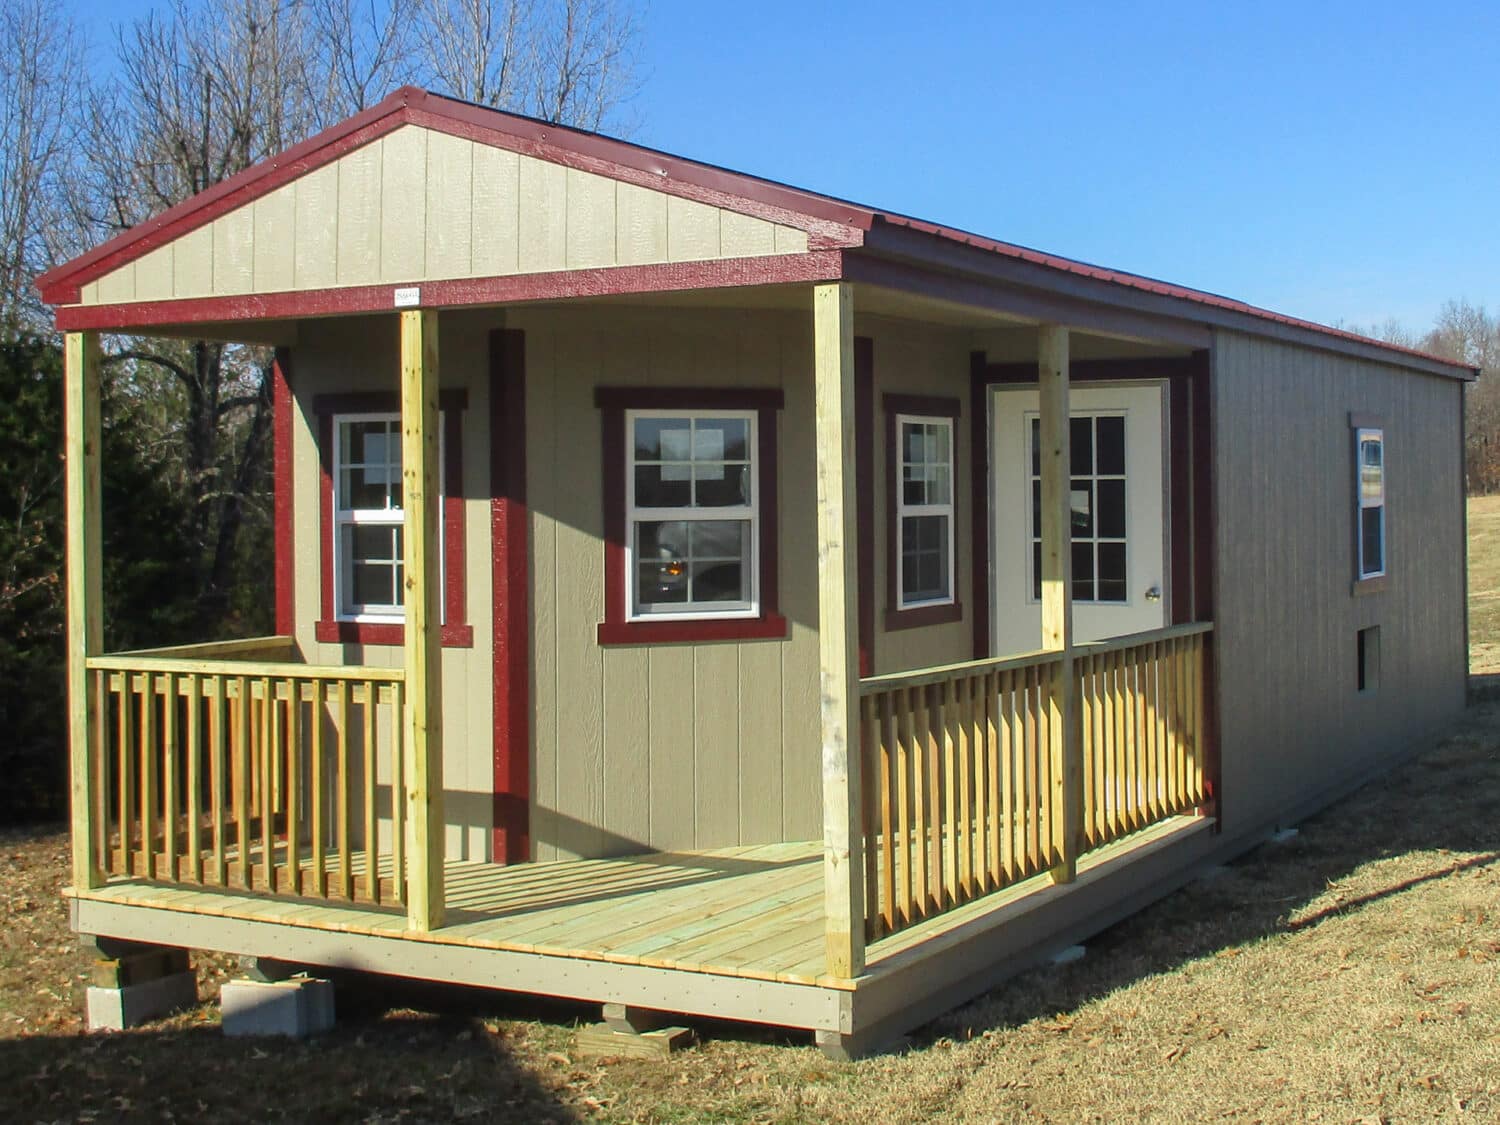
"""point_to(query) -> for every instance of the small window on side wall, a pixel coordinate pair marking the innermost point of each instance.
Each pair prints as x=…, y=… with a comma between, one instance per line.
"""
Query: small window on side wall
x=921, y=559
x=1370, y=505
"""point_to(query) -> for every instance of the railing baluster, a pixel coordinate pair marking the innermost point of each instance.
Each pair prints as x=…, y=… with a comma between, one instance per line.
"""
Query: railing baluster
x=963, y=827
x=315, y=800
x=169, y=766
x=905, y=743
x=270, y=752
x=148, y=775
x=398, y=793
x=101, y=764
x=292, y=783
x=192, y=711
x=867, y=785
x=372, y=839
x=887, y=752
x=217, y=718
x=346, y=821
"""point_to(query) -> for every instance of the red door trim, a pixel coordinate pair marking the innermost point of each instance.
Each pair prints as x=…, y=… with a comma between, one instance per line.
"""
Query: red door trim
x=509, y=597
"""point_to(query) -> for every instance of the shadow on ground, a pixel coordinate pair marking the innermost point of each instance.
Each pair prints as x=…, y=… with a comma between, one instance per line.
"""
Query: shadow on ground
x=1439, y=805
x=378, y=1065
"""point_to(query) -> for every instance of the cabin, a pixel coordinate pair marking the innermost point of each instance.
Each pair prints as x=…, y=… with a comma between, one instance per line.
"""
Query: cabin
x=708, y=598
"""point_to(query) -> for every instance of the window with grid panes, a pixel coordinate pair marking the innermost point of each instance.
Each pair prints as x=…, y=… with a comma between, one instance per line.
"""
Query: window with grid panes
x=1096, y=503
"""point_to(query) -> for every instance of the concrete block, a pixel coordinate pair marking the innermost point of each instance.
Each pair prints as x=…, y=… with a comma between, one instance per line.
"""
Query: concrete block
x=298, y=1007
x=115, y=1009
x=1285, y=836
x=1069, y=955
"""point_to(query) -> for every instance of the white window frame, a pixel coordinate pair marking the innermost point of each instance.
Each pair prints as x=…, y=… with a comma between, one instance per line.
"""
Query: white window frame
x=750, y=512
x=1362, y=503
x=389, y=517
x=904, y=510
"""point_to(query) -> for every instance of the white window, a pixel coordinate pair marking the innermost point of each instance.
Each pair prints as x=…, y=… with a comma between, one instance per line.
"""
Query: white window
x=692, y=545
x=369, y=566
x=1096, y=506
x=924, y=511
x=1370, y=471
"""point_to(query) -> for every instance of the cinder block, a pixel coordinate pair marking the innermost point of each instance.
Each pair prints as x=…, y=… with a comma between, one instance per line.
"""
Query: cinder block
x=1069, y=954
x=115, y=1009
x=297, y=1007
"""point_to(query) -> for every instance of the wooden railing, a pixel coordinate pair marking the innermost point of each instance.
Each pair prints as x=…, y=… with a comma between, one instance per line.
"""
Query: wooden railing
x=280, y=778
x=1143, y=714
x=963, y=766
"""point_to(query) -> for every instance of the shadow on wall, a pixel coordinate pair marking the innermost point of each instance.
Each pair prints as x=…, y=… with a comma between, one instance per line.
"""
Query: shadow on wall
x=1439, y=803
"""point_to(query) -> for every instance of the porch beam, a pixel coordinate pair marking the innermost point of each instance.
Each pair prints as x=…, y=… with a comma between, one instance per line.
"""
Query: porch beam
x=1065, y=730
x=838, y=628
x=423, y=721
x=83, y=435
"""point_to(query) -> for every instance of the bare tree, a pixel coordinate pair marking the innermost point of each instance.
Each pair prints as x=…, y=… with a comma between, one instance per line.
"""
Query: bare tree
x=361, y=50
x=202, y=92
x=39, y=59
x=569, y=61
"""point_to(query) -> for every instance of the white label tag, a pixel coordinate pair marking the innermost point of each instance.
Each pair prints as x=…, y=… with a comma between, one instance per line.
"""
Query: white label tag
x=408, y=298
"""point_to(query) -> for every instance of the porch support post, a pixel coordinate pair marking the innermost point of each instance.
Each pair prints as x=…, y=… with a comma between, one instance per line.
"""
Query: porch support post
x=423, y=723
x=1066, y=735
x=838, y=629
x=85, y=588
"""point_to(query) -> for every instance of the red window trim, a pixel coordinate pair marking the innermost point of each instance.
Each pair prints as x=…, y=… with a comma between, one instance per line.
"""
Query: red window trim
x=282, y=499
x=931, y=406
x=612, y=403
x=456, y=632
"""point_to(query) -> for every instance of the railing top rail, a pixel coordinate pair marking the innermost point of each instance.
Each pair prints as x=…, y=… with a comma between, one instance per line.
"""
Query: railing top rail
x=121, y=662
x=211, y=649
x=1150, y=636
x=922, y=677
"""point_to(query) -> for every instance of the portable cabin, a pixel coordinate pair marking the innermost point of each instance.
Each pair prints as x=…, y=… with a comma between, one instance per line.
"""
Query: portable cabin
x=710, y=597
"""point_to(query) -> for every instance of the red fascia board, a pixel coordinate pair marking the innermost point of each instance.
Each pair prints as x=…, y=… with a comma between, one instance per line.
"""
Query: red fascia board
x=61, y=285
x=828, y=222
x=722, y=273
x=1053, y=262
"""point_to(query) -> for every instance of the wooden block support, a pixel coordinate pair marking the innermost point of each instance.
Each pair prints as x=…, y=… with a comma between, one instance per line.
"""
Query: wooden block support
x=423, y=730
x=85, y=588
x=838, y=629
x=603, y=1041
x=137, y=968
x=1064, y=725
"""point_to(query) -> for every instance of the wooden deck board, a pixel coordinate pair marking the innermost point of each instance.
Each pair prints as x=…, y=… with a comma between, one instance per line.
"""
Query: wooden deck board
x=747, y=912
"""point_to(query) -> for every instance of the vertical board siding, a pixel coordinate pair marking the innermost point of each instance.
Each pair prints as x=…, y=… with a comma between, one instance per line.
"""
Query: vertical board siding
x=668, y=745
x=360, y=355
x=1291, y=719
x=418, y=205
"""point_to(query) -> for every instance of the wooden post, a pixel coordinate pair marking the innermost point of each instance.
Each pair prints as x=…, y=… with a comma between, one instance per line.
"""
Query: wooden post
x=838, y=629
x=1057, y=599
x=421, y=596
x=85, y=588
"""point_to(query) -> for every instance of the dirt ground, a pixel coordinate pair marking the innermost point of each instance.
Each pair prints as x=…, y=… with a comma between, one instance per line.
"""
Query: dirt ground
x=1349, y=975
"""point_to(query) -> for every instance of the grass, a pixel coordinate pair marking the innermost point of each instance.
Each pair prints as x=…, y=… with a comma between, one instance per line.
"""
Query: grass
x=1350, y=975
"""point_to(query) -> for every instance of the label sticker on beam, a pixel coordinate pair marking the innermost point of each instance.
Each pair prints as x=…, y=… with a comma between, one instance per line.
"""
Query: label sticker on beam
x=408, y=298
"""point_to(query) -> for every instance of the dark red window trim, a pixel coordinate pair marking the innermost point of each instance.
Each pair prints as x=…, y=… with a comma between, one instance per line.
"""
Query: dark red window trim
x=456, y=632
x=511, y=838
x=929, y=406
x=612, y=403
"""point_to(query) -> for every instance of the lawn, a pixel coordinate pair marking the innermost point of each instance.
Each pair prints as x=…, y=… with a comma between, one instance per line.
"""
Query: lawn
x=1351, y=974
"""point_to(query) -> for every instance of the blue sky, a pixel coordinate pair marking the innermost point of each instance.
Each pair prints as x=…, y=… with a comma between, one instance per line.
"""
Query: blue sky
x=1338, y=161
x=1333, y=160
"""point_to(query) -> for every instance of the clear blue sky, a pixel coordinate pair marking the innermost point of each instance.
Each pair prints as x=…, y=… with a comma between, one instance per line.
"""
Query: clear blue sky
x=1334, y=160
x=1330, y=160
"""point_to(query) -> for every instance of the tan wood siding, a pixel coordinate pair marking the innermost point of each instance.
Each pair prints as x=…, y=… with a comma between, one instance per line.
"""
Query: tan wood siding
x=361, y=355
x=418, y=205
x=913, y=359
x=662, y=745
x=1292, y=720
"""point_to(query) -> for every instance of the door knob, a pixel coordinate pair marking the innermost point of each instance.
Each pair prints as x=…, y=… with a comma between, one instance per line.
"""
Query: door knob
x=1153, y=594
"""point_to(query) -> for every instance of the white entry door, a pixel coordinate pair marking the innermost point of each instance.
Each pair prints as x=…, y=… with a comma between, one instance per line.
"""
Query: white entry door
x=1118, y=505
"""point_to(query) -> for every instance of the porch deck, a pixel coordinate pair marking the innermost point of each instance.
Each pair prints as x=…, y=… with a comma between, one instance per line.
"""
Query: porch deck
x=733, y=932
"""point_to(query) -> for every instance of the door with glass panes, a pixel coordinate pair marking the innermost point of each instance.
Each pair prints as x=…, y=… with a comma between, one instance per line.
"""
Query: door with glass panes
x=1117, y=502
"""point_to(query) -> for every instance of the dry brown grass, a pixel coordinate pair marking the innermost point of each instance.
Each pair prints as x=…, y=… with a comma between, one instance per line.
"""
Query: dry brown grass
x=1484, y=584
x=1351, y=975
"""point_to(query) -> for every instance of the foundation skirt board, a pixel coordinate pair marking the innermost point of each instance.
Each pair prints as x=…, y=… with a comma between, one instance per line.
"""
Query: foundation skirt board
x=115, y=1009
x=296, y=1008
x=602, y=1041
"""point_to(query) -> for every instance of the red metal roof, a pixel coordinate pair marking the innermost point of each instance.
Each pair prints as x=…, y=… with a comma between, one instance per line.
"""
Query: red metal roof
x=830, y=222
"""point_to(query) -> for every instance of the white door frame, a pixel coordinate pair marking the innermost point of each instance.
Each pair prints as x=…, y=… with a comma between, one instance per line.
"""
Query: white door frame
x=995, y=557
